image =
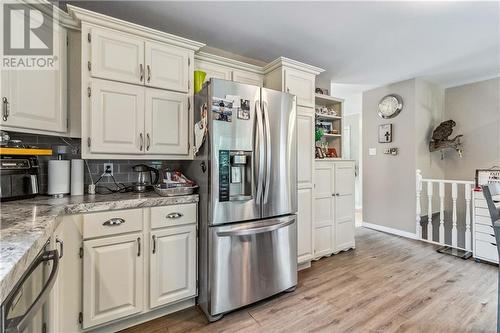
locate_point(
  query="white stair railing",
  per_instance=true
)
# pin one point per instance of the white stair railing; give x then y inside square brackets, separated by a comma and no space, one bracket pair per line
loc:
[455,184]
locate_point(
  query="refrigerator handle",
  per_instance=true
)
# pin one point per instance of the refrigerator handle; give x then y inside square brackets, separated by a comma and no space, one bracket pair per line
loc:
[268,151]
[260,147]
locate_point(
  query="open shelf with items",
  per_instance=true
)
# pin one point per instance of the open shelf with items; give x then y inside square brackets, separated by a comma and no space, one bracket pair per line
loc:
[328,112]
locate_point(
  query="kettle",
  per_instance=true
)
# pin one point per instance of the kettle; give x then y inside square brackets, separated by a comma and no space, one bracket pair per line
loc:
[144,177]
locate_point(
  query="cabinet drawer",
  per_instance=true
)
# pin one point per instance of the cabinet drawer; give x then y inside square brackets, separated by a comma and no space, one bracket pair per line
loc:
[111,223]
[486,251]
[482,211]
[483,220]
[167,216]
[485,229]
[490,238]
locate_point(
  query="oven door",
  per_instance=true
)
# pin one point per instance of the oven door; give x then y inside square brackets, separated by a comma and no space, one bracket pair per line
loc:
[251,261]
[22,311]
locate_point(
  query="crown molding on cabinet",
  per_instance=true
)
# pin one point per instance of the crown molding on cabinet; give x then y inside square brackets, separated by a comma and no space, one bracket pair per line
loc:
[282,61]
[59,15]
[138,30]
[220,60]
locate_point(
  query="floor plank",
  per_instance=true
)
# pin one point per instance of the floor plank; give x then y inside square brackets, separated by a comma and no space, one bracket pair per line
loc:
[388,284]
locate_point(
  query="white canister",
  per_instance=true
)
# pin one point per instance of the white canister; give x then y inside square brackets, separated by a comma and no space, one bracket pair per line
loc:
[59,177]
[77,177]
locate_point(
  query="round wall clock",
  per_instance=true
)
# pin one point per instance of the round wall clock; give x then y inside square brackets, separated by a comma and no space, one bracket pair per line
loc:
[390,106]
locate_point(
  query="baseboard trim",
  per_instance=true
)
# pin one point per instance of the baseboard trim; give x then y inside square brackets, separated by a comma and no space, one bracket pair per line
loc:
[388,230]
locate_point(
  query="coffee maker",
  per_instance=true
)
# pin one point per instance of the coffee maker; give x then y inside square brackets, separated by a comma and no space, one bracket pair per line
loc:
[145,177]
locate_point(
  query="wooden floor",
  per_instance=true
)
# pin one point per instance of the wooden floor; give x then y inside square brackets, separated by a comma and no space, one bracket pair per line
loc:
[388,284]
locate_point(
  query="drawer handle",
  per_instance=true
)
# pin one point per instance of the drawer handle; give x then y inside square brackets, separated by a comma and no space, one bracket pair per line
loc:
[493,244]
[492,235]
[174,215]
[138,246]
[154,244]
[114,221]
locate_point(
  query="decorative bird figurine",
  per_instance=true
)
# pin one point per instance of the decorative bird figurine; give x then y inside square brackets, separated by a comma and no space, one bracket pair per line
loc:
[443,131]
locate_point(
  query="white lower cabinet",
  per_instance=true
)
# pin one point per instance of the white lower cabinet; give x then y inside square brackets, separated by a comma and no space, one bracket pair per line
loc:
[333,207]
[304,226]
[113,278]
[172,265]
[132,262]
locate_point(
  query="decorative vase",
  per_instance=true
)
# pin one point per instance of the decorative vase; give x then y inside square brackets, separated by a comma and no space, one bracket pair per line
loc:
[199,78]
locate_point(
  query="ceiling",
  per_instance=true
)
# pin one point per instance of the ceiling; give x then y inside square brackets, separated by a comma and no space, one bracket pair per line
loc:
[361,43]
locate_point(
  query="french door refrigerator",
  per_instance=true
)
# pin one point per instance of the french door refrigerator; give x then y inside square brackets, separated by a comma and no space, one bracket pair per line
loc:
[247,171]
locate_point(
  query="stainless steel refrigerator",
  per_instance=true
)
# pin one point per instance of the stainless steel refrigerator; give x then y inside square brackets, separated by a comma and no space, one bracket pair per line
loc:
[247,172]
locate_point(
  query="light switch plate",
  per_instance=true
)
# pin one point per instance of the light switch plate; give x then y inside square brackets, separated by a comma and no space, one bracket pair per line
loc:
[372,151]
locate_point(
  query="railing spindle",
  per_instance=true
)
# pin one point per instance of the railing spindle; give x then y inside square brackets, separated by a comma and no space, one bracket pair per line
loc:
[429,210]
[468,193]
[441,212]
[454,233]
[418,227]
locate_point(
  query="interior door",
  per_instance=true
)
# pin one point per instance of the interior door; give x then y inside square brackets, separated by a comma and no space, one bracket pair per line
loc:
[280,140]
[172,265]
[236,133]
[344,205]
[112,278]
[167,67]
[166,122]
[116,118]
[116,56]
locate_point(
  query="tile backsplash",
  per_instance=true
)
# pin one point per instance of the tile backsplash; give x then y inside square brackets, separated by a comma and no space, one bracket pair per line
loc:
[122,169]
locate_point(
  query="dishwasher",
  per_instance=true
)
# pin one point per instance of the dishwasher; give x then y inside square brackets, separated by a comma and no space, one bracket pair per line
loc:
[23,309]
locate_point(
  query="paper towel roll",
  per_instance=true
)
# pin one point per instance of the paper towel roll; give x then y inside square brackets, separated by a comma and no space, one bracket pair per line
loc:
[77,177]
[59,175]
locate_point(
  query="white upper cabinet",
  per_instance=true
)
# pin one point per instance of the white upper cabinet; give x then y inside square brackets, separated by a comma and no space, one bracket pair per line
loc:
[305,146]
[113,278]
[248,78]
[167,67]
[116,118]
[300,84]
[166,122]
[172,265]
[116,56]
[213,70]
[34,101]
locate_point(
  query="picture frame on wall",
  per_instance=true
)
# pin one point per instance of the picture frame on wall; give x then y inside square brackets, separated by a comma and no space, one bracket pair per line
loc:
[385,133]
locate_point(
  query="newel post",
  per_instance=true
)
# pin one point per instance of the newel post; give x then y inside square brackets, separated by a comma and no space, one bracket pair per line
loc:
[418,227]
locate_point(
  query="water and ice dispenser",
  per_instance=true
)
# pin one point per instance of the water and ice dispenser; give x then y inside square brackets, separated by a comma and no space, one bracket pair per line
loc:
[235,175]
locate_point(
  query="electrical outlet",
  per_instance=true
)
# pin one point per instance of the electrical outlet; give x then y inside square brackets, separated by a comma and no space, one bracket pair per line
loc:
[108,169]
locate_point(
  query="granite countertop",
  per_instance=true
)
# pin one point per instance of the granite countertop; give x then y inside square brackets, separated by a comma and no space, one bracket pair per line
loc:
[26,225]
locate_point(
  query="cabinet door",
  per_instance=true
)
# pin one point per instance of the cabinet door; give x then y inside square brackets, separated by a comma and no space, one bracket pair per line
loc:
[116,118]
[37,98]
[112,278]
[305,146]
[344,206]
[304,225]
[166,122]
[116,56]
[324,210]
[172,265]
[213,70]
[167,67]
[301,85]
[248,78]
